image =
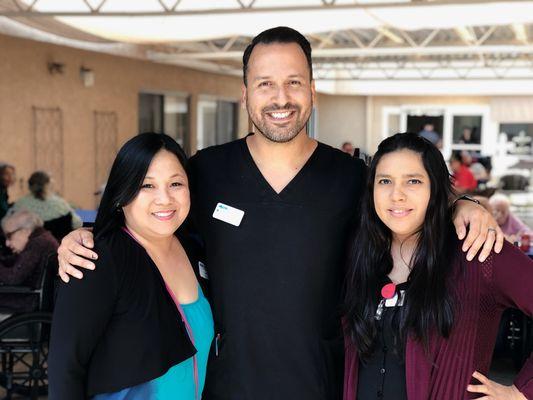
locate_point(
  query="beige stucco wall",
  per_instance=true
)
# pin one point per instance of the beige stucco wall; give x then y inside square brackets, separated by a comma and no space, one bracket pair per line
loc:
[341,119]
[25,82]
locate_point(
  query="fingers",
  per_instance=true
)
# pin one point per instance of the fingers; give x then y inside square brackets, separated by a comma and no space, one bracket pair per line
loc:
[73,260]
[74,251]
[70,270]
[460,227]
[480,377]
[474,231]
[80,251]
[79,242]
[483,388]
[478,389]
[65,269]
[500,238]
[87,238]
[478,221]
[63,275]
[487,246]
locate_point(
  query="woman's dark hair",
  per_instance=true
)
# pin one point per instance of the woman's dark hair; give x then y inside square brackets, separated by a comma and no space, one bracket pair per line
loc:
[429,304]
[37,184]
[127,175]
[280,34]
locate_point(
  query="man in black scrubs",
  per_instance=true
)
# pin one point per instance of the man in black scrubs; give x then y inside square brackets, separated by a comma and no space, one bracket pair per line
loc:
[276,276]
[274,210]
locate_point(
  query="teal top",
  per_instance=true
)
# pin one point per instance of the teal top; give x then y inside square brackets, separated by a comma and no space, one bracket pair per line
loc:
[179,382]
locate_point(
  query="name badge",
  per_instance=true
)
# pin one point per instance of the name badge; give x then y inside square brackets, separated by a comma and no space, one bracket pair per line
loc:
[228,214]
[203,270]
[396,301]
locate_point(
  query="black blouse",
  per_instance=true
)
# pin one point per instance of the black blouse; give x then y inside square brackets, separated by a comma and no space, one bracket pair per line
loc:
[118,326]
[382,376]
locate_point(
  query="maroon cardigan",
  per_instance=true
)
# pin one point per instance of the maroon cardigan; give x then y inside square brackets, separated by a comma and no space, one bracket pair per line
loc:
[483,292]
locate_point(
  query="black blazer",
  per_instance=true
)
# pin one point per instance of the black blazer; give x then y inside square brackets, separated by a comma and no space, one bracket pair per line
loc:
[118,326]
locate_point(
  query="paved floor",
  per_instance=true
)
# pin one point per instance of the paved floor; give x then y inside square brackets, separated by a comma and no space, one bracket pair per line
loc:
[502,371]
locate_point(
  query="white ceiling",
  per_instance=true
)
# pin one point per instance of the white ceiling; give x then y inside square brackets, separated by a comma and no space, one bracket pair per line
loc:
[357,45]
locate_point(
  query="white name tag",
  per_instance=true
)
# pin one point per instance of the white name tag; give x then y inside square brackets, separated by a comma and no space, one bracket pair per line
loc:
[396,300]
[203,270]
[228,214]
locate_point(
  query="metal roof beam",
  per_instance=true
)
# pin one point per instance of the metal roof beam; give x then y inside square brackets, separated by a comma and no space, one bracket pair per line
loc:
[239,8]
[384,51]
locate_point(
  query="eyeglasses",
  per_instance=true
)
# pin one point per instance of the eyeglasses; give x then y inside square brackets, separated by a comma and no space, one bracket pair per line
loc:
[9,235]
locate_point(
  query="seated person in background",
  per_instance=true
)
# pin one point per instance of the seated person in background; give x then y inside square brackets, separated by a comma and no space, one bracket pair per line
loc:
[31,245]
[348,148]
[47,205]
[428,132]
[479,171]
[510,224]
[7,178]
[468,136]
[463,178]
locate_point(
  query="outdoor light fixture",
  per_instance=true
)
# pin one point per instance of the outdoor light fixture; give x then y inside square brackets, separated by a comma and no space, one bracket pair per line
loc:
[87,76]
[55,67]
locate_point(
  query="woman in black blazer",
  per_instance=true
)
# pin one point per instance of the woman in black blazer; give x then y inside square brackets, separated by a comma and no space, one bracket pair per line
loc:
[139,326]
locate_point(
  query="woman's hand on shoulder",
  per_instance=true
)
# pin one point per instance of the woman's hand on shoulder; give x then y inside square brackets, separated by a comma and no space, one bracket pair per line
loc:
[493,390]
[73,252]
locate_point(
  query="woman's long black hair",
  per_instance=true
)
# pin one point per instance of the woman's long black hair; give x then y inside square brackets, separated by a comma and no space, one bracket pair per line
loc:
[127,175]
[429,303]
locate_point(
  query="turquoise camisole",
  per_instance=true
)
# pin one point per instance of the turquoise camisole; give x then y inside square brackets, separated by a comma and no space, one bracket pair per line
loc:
[184,381]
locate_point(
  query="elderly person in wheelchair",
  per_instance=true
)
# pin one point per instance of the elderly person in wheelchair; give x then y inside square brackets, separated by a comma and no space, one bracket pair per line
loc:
[25,297]
[31,244]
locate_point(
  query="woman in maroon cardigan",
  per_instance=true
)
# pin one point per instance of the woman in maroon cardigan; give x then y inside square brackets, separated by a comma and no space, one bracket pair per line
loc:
[421,320]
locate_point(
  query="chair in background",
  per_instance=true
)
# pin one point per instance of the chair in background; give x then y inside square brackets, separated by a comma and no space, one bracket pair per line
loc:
[24,337]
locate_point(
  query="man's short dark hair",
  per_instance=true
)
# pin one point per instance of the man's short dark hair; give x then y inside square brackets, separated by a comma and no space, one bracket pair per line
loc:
[280,34]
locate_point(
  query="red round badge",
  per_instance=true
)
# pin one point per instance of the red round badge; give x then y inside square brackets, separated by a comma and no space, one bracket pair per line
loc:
[388,290]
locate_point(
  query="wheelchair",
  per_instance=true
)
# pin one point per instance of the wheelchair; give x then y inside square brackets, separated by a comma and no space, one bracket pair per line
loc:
[24,337]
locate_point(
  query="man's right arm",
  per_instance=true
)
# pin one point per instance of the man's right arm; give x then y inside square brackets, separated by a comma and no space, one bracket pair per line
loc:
[75,253]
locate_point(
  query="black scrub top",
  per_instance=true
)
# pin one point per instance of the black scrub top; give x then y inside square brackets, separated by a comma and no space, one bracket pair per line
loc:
[275,280]
[382,376]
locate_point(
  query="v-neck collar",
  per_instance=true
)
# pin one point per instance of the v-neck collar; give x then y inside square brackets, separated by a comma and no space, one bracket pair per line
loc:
[262,181]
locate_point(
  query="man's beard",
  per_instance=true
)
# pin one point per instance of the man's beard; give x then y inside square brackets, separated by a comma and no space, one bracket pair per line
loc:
[277,134]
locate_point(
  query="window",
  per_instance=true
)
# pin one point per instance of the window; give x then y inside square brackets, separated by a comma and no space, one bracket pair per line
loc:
[176,118]
[519,138]
[162,113]
[217,122]
[151,113]
[467,129]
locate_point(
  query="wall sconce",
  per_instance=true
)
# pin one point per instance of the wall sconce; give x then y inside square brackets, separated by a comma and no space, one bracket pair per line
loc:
[87,76]
[55,67]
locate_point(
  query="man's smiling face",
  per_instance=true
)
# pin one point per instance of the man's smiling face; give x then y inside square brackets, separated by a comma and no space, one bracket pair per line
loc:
[279,95]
